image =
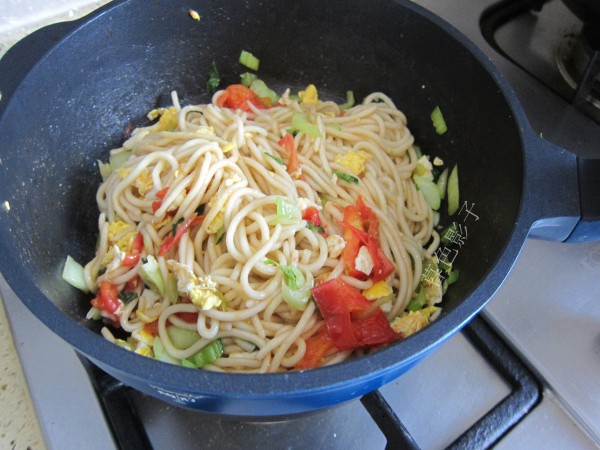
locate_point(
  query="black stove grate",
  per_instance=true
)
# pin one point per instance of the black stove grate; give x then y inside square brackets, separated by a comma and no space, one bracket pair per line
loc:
[129,433]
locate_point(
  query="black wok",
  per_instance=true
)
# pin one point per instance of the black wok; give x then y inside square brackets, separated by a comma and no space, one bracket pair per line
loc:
[70,90]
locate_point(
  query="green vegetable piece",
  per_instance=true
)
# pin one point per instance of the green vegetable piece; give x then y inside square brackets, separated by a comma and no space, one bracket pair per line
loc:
[300,123]
[287,212]
[442,182]
[151,276]
[430,191]
[213,78]
[247,78]
[188,363]
[274,157]
[249,60]
[208,354]
[260,88]
[349,101]
[219,235]
[418,151]
[171,291]
[448,236]
[161,353]
[295,289]
[453,192]
[117,159]
[74,274]
[127,297]
[182,338]
[453,277]
[418,300]
[438,121]
[346,177]
[105,170]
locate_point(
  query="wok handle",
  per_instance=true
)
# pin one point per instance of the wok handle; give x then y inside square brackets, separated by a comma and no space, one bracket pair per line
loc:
[562,195]
[588,227]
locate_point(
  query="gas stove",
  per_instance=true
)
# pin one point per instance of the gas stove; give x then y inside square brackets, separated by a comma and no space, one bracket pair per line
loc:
[523,374]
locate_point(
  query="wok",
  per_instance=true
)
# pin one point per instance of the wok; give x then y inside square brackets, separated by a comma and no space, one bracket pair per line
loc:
[69,91]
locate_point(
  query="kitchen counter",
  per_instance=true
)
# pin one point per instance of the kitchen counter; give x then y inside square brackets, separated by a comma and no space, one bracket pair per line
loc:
[19,424]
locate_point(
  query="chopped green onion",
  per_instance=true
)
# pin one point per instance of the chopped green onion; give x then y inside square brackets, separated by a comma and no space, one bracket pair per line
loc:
[438,121]
[208,354]
[247,78]
[349,101]
[429,190]
[418,300]
[300,123]
[249,60]
[127,297]
[453,192]
[442,182]
[346,177]
[260,88]
[74,274]
[287,212]
[200,209]
[213,78]
[276,158]
[161,353]
[150,273]
[291,274]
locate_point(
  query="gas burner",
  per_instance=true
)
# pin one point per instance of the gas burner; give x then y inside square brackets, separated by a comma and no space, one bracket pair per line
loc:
[552,43]
[578,61]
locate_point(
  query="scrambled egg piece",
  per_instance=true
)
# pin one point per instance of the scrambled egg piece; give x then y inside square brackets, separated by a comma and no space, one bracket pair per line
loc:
[118,247]
[354,160]
[378,290]
[143,342]
[335,245]
[310,96]
[168,118]
[363,261]
[413,321]
[215,222]
[201,290]
[143,182]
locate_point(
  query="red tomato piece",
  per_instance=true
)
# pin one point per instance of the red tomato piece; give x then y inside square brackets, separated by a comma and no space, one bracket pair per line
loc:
[316,348]
[311,215]
[237,96]
[107,298]
[192,221]
[132,258]
[340,305]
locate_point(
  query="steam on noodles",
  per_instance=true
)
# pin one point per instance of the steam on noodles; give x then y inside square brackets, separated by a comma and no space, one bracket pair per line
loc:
[227,235]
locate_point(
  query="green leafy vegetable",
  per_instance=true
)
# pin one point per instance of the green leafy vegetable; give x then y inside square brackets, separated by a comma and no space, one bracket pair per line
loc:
[276,158]
[249,60]
[161,353]
[346,177]
[295,288]
[127,297]
[213,78]
[438,121]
